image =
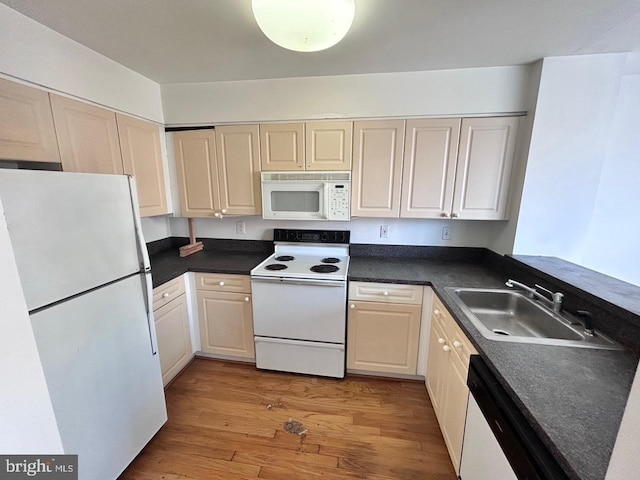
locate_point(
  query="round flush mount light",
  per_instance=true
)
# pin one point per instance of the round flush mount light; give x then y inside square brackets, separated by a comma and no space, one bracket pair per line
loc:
[304,25]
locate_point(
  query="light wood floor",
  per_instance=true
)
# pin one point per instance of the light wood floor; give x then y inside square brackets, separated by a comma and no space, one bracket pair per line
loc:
[221,427]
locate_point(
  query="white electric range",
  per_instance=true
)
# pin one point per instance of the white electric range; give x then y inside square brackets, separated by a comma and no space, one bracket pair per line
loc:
[299,303]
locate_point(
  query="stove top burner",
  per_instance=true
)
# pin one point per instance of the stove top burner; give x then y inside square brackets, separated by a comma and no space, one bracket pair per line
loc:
[324,268]
[330,260]
[284,258]
[275,266]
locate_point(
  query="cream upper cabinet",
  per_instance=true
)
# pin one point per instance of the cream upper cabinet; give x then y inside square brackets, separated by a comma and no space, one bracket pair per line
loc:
[377,168]
[485,161]
[87,136]
[142,158]
[195,152]
[328,145]
[238,161]
[430,152]
[26,124]
[282,147]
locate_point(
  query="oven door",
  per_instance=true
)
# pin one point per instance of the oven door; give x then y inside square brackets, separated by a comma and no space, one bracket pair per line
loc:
[299,309]
[293,200]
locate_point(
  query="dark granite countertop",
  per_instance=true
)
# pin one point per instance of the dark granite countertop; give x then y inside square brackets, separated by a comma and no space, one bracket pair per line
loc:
[574,398]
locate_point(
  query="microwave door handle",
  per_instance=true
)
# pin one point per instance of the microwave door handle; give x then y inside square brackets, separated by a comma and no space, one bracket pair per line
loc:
[325,213]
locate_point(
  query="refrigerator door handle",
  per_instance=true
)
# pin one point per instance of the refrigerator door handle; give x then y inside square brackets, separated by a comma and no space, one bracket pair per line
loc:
[148,300]
[142,246]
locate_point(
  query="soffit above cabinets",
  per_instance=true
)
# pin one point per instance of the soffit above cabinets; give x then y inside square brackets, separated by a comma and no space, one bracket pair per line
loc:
[215,40]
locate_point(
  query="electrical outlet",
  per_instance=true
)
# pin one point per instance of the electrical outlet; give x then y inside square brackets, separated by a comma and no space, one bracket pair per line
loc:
[446,233]
[384,231]
[240,227]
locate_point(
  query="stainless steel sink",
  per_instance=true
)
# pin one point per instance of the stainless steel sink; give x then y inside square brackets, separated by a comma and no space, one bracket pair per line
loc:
[510,316]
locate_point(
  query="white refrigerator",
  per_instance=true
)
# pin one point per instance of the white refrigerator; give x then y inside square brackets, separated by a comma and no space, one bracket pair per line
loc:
[86,279]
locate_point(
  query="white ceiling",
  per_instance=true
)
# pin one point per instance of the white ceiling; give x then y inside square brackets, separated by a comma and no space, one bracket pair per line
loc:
[175,41]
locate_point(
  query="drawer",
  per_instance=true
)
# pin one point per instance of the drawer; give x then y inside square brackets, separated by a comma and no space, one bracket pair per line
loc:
[385,292]
[223,282]
[455,336]
[167,292]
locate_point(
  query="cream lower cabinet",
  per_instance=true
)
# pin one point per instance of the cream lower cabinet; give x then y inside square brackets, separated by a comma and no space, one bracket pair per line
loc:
[172,328]
[383,335]
[226,316]
[446,379]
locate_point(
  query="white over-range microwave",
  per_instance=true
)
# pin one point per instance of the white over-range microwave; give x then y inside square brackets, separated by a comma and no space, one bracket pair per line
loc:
[306,195]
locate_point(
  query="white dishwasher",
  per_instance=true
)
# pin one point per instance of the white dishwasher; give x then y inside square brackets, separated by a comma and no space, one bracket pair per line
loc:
[499,443]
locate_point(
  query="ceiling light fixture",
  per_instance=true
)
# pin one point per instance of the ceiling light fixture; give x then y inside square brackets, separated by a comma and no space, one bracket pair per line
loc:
[304,25]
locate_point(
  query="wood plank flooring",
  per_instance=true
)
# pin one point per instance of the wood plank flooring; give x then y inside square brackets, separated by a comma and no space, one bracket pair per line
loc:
[226,421]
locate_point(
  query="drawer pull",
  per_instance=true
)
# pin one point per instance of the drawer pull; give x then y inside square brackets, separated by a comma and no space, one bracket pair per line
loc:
[441,341]
[352,306]
[165,295]
[221,283]
[437,312]
[457,344]
[386,294]
[446,348]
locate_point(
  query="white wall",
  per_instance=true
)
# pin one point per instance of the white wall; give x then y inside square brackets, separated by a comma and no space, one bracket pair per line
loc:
[27,421]
[443,92]
[34,53]
[363,230]
[615,221]
[155,228]
[578,101]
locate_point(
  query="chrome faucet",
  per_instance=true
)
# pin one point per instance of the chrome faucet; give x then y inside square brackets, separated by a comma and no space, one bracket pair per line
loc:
[556,298]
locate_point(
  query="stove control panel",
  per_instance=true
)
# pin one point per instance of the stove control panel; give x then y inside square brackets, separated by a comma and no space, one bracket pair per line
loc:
[311,236]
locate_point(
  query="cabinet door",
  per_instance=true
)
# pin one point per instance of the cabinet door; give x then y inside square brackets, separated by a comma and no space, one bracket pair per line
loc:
[377,168]
[454,406]
[328,145]
[174,337]
[196,164]
[87,136]
[26,124]
[383,337]
[437,366]
[483,174]
[430,150]
[142,158]
[282,147]
[238,158]
[226,323]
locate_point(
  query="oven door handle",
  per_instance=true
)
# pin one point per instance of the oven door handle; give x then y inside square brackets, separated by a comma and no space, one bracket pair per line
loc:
[299,281]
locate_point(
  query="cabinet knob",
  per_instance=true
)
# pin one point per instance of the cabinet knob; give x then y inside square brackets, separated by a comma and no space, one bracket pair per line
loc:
[444,215]
[352,306]
[454,215]
[165,295]
[457,344]
[437,312]
[217,215]
[386,294]
[221,283]
[446,348]
[441,341]
[246,299]
[224,210]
